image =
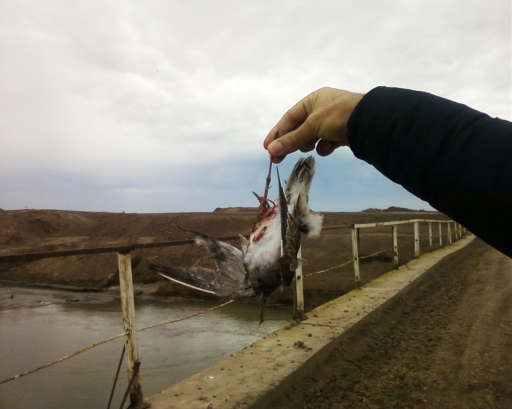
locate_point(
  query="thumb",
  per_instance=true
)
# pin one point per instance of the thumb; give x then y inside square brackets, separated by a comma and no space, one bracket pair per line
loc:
[302,137]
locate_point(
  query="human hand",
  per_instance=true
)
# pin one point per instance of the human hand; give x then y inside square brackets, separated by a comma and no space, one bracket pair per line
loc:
[320,120]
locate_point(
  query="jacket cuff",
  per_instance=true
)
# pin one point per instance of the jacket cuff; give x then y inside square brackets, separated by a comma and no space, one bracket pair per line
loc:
[357,138]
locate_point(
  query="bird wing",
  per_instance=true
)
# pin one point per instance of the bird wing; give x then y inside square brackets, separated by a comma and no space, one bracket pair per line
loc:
[283,208]
[230,279]
[198,278]
[297,194]
[228,258]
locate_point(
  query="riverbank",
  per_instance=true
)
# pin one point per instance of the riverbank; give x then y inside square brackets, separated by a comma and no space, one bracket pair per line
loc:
[46,230]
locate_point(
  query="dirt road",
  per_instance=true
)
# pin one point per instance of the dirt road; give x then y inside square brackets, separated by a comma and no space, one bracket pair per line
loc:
[445,344]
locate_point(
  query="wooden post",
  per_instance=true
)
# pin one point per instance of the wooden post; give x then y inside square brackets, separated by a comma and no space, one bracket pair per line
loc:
[395,245]
[355,256]
[128,309]
[430,234]
[298,314]
[440,234]
[416,239]
[449,233]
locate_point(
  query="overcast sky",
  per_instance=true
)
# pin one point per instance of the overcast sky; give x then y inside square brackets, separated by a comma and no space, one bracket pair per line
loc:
[155,106]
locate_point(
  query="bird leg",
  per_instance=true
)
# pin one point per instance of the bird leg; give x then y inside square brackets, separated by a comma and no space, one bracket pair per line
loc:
[263,200]
[263,301]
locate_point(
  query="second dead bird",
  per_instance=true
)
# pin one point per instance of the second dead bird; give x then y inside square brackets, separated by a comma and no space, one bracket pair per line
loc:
[268,259]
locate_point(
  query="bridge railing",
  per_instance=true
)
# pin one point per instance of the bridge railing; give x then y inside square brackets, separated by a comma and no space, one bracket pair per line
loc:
[124,262]
[458,232]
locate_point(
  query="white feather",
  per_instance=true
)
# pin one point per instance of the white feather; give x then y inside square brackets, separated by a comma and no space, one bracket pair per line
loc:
[314,222]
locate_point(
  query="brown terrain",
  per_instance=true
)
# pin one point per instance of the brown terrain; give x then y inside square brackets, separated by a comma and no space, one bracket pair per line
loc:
[47,230]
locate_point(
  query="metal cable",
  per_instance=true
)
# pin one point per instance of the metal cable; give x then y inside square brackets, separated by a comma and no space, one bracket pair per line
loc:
[116,377]
[195,314]
[112,338]
[136,366]
[159,324]
[342,264]
[64,358]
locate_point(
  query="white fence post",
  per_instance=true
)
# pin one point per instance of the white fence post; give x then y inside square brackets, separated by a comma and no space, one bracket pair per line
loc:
[416,239]
[430,234]
[440,233]
[449,233]
[395,245]
[128,308]
[355,255]
[299,288]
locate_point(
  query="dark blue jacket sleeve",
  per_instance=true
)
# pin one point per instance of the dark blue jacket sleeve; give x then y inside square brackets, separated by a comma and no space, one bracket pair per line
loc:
[454,157]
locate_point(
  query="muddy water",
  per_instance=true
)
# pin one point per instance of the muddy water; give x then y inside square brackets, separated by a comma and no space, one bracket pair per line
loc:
[37,326]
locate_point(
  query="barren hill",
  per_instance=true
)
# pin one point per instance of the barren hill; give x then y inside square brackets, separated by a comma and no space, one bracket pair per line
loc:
[39,230]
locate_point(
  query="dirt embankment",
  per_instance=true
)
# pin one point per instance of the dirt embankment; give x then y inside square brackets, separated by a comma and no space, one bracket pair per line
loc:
[445,344]
[40,230]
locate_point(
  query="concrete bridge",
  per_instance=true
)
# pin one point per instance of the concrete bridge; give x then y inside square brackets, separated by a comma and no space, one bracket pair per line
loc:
[273,366]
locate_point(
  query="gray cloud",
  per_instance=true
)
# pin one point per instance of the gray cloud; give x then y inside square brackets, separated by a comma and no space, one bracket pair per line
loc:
[157,102]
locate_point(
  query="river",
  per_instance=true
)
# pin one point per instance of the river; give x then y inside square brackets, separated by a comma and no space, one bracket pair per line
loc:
[38,325]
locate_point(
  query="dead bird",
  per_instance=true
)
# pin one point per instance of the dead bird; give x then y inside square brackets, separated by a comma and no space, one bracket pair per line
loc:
[268,259]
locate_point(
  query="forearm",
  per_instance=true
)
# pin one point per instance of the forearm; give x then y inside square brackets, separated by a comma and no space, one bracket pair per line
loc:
[456,158]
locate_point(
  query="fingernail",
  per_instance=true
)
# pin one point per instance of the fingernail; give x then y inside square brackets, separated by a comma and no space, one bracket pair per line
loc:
[276,148]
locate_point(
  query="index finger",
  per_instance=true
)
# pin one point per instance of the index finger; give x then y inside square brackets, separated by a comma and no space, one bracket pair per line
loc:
[291,120]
